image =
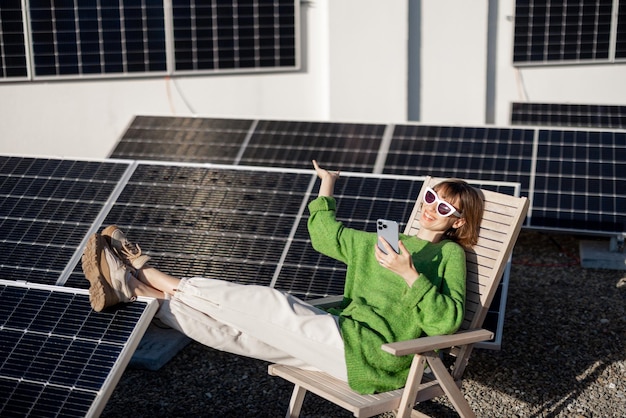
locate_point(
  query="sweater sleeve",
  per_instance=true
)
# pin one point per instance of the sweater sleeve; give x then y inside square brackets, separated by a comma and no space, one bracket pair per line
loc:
[439,297]
[325,231]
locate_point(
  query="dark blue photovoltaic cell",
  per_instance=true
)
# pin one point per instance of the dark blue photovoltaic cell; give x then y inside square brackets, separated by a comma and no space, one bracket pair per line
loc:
[70,38]
[569,115]
[199,140]
[341,146]
[620,44]
[487,154]
[580,181]
[56,352]
[234,35]
[562,31]
[349,147]
[76,38]
[46,208]
[221,223]
[12,47]
[474,153]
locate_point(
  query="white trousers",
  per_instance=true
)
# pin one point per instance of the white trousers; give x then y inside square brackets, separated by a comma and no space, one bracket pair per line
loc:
[258,322]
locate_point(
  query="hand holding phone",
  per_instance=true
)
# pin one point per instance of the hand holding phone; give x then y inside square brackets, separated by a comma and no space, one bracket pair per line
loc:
[389,231]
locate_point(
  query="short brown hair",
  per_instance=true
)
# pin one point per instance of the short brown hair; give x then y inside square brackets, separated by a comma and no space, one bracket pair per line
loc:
[471,205]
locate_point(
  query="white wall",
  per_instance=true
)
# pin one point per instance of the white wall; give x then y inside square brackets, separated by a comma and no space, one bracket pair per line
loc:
[453,61]
[368,60]
[86,118]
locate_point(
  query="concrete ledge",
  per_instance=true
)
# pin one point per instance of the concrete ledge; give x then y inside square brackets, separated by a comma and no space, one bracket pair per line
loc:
[598,255]
[158,346]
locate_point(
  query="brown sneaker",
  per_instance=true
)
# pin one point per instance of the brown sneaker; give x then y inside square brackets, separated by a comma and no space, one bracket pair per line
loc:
[107,275]
[128,251]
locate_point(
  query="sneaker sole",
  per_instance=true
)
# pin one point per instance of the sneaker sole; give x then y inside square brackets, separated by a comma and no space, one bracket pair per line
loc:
[101,294]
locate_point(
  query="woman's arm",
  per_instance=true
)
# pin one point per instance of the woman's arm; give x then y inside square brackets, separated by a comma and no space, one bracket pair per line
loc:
[324,230]
[328,178]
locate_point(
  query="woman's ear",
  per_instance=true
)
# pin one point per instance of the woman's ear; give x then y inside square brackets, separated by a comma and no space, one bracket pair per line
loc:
[458,223]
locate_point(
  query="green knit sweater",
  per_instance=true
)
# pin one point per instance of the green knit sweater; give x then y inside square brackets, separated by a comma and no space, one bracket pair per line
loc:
[378,306]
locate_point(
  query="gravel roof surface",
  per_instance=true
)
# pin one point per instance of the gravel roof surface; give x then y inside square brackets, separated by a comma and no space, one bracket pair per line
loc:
[563,354]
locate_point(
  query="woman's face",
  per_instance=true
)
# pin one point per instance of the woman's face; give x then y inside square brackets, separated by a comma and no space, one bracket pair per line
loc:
[432,220]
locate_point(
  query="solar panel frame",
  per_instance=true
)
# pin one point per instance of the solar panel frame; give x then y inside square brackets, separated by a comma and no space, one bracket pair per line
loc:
[60,358]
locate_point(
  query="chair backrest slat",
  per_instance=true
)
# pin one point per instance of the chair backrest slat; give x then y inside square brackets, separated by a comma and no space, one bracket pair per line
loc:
[501,224]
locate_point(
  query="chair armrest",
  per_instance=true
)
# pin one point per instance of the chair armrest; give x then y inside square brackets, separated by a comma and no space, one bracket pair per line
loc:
[327,302]
[437,342]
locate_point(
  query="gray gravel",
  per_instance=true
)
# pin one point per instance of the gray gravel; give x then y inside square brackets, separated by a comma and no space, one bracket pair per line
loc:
[563,355]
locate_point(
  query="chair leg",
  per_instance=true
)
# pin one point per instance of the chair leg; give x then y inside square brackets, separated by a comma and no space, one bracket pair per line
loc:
[410,390]
[295,403]
[449,387]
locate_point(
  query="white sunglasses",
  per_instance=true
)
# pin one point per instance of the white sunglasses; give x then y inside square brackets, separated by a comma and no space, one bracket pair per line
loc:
[443,208]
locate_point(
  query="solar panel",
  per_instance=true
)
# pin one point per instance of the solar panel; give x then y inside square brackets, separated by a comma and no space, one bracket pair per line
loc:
[346,146]
[569,115]
[562,31]
[58,357]
[245,34]
[12,46]
[128,37]
[47,207]
[488,154]
[183,139]
[478,153]
[213,222]
[580,181]
[78,38]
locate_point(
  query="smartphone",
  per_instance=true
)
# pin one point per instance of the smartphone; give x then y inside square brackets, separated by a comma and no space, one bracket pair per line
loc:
[389,231]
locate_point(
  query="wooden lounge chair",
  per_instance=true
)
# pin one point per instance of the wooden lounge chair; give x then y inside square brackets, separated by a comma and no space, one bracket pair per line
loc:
[502,221]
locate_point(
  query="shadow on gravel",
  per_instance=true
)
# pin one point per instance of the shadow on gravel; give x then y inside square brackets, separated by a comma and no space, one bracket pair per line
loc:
[564,329]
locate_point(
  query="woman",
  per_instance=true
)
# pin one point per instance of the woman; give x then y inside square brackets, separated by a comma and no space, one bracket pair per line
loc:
[387,298]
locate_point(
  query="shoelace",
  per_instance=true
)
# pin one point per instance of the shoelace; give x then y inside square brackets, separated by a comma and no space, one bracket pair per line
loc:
[130,250]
